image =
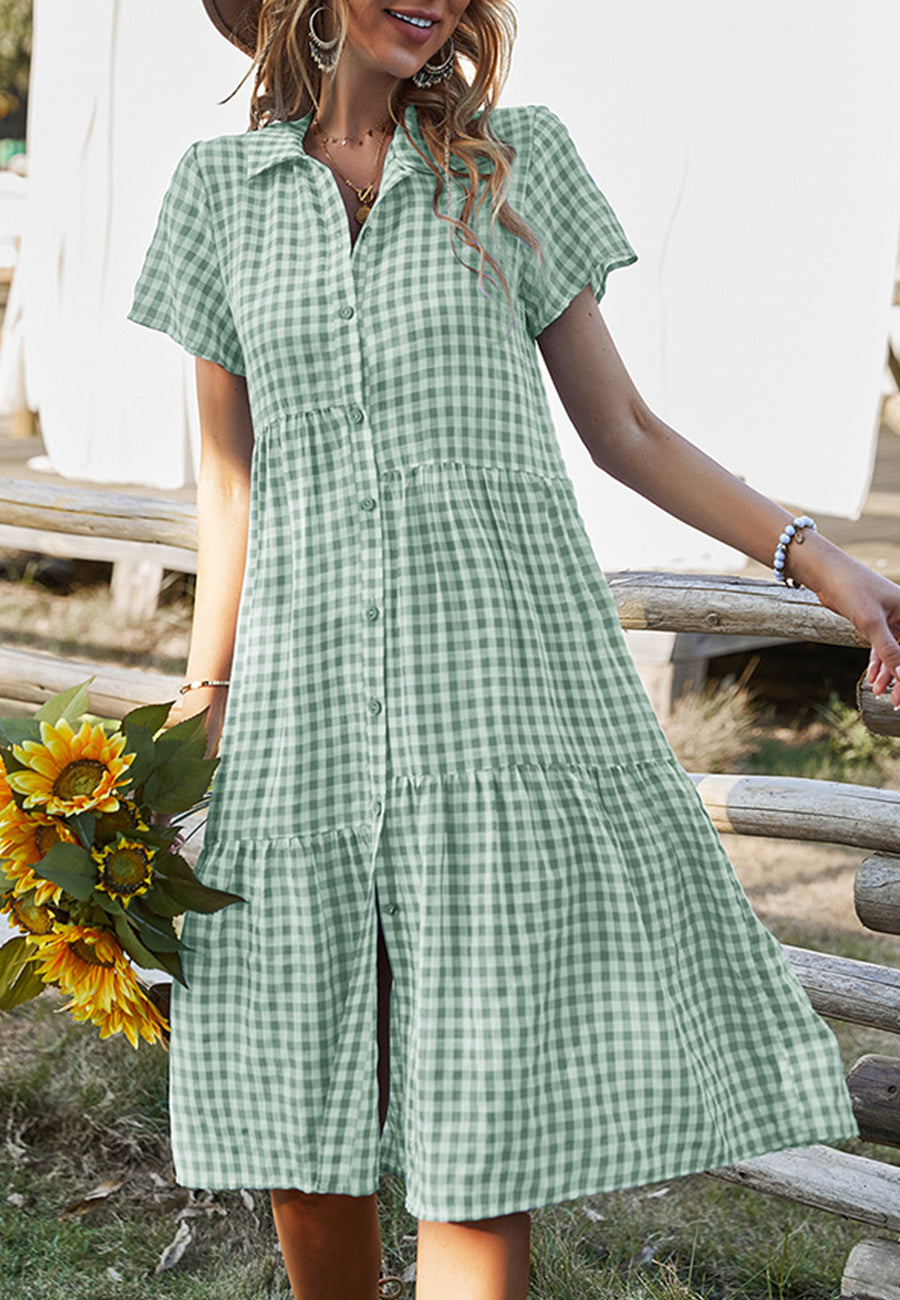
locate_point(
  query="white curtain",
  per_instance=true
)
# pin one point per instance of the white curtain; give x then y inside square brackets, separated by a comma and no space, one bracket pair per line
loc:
[117,91]
[752,153]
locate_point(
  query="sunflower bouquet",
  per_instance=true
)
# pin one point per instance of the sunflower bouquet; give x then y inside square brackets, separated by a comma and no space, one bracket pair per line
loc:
[90,828]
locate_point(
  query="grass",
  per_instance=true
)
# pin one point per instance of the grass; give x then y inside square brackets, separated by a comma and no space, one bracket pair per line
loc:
[77,1112]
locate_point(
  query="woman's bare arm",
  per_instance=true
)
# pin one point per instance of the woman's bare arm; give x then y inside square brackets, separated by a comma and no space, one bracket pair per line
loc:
[223,502]
[630,442]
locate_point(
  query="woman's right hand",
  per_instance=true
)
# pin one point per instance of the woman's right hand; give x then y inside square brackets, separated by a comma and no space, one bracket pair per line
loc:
[193,702]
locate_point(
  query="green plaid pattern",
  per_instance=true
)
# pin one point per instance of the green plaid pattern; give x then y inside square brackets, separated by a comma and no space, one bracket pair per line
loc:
[434,714]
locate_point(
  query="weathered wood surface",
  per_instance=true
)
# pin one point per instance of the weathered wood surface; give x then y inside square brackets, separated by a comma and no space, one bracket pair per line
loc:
[32,676]
[872,1271]
[110,549]
[70,509]
[827,1179]
[802,808]
[876,711]
[703,602]
[876,893]
[874,1085]
[863,992]
[134,587]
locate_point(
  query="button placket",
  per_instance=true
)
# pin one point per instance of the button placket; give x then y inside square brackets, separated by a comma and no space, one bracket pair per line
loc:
[367,510]
[372,704]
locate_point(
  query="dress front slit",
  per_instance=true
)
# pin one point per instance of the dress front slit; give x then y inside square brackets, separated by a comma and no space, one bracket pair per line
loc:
[385,979]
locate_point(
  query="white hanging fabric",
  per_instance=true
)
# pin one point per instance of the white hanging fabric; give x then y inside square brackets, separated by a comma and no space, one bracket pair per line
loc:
[117,92]
[751,153]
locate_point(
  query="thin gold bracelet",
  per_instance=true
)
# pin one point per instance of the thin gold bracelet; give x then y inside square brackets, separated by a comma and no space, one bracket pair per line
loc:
[194,686]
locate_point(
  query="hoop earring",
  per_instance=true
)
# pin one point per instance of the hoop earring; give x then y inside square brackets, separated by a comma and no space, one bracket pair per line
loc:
[321,51]
[432,73]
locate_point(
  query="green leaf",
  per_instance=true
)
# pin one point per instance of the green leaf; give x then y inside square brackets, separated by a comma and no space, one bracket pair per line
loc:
[158,837]
[160,899]
[171,962]
[181,882]
[83,824]
[155,931]
[27,984]
[136,950]
[71,867]
[139,741]
[185,740]
[15,730]
[149,717]
[10,762]
[68,704]
[178,783]
[19,979]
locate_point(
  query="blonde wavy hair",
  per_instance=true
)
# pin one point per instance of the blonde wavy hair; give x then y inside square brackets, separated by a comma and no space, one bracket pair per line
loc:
[286,86]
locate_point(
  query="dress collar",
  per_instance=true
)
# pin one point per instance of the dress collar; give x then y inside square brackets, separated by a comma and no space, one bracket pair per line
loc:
[282,141]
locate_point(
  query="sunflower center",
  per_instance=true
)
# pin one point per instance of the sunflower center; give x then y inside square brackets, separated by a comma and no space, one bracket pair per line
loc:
[125,870]
[79,778]
[45,837]
[87,952]
[30,916]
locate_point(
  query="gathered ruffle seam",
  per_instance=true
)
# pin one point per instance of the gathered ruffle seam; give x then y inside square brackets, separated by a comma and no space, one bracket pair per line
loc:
[363,829]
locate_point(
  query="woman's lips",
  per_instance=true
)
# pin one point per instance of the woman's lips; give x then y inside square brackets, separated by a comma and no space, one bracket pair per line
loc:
[418,34]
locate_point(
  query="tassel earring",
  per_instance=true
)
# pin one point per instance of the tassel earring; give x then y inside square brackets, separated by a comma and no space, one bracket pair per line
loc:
[322,52]
[432,73]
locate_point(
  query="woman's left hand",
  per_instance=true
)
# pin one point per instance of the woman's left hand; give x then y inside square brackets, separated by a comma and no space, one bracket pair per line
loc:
[871,603]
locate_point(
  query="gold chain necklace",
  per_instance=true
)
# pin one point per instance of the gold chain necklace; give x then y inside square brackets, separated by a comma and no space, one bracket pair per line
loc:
[366,194]
[345,139]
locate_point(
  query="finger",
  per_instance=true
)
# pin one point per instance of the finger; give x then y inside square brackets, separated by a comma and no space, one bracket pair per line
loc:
[885,645]
[874,666]
[883,681]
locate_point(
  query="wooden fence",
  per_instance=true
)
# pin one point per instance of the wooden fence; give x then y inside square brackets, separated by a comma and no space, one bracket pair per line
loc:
[855,1186]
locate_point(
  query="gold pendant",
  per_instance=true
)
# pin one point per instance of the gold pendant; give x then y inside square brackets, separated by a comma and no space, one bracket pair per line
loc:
[362,212]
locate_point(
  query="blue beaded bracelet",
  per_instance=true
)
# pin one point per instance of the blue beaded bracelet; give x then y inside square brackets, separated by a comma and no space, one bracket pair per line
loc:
[790,531]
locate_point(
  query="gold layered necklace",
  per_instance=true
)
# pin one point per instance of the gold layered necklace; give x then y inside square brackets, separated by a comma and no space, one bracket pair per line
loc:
[367,194]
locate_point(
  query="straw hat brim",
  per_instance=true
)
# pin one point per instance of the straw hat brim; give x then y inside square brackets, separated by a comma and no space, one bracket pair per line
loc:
[237,20]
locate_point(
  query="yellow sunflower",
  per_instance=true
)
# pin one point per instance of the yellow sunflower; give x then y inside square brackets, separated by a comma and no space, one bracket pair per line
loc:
[5,792]
[125,868]
[89,964]
[71,772]
[27,913]
[24,839]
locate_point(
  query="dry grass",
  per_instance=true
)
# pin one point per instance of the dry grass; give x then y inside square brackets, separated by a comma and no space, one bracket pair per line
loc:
[81,621]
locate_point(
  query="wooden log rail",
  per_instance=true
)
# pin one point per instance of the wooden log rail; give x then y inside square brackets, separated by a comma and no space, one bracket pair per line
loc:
[119,515]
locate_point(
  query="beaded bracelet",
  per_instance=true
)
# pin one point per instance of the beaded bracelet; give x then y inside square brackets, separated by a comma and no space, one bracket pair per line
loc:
[194,686]
[791,531]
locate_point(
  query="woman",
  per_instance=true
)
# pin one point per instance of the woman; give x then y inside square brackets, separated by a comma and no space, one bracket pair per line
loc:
[438,765]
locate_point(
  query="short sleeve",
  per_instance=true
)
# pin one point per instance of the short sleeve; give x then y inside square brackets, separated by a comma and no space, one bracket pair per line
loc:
[180,289]
[581,235]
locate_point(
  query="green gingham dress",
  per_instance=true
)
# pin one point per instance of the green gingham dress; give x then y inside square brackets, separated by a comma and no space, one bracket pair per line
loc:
[434,713]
